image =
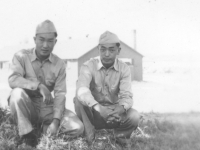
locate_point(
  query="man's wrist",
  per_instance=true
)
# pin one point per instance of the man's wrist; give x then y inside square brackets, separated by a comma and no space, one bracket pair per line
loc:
[124,110]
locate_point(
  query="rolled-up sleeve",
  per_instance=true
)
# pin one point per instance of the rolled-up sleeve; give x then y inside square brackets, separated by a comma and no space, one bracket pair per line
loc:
[83,92]
[16,78]
[125,91]
[60,93]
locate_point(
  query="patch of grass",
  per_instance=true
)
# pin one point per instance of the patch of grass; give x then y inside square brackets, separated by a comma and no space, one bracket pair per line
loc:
[168,135]
[155,132]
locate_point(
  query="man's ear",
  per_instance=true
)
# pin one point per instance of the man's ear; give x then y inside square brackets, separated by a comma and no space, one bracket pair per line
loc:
[119,49]
[34,38]
[98,49]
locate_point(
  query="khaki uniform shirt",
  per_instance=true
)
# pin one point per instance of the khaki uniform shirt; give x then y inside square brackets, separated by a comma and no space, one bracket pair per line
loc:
[96,84]
[27,72]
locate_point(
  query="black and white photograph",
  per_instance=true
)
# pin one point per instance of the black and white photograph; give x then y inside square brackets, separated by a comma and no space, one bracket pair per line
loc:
[99,75]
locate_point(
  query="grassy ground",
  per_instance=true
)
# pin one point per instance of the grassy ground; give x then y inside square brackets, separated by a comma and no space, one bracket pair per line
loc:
[167,87]
[156,132]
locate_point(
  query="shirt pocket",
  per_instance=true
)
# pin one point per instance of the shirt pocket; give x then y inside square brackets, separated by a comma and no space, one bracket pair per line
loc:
[114,88]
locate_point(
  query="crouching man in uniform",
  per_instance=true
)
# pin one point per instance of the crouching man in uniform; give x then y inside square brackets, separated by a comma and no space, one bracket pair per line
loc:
[35,73]
[104,96]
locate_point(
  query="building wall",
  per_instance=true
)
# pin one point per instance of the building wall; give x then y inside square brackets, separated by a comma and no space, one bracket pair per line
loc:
[136,61]
[138,69]
[72,72]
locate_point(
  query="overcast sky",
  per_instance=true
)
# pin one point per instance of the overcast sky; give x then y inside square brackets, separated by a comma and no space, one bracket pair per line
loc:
[163,26]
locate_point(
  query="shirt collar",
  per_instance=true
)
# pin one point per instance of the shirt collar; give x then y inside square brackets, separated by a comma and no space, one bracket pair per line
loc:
[34,56]
[100,65]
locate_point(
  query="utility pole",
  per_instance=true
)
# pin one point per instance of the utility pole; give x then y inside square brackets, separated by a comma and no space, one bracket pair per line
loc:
[134,43]
[134,36]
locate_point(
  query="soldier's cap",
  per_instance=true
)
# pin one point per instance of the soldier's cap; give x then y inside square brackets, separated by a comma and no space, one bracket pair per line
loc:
[108,38]
[46,27]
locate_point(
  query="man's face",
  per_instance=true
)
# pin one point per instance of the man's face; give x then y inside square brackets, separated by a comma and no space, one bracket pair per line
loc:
[45,43]
[108,53]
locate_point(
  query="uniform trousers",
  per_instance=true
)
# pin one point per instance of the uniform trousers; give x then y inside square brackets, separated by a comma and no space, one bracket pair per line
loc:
[93,120]
[30,113]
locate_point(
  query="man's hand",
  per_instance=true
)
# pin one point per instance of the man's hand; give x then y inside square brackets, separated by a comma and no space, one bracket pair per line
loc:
[46,94]
[103,111]
[115,115]
[53,127]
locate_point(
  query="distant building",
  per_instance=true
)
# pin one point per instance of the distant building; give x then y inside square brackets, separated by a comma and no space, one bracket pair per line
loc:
[78,51]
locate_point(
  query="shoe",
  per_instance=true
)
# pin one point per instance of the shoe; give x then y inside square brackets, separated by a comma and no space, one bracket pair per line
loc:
[90,137]
[124,143]
[29,139]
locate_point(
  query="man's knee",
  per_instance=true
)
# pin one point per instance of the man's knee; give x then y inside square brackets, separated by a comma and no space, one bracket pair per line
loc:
[74,127]
[79,128]
[71,123]
[77,102]
[134,117]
